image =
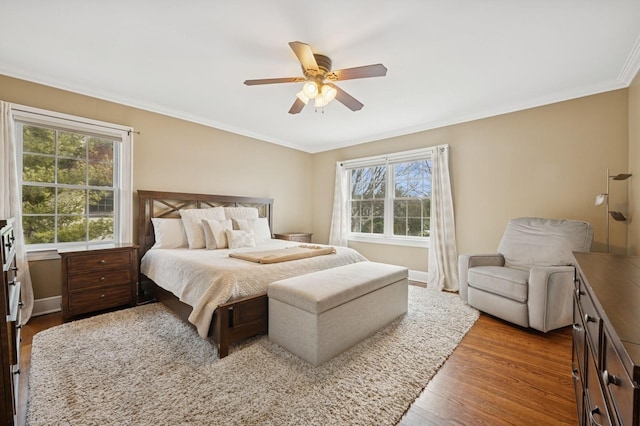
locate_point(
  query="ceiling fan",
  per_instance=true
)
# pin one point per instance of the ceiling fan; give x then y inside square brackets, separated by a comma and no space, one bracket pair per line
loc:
[318,79]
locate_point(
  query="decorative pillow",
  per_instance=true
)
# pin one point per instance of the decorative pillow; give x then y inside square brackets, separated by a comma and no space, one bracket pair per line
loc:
[192,221]
[169,233]
[240,238]
[214,233]
[259,226]
[241,213]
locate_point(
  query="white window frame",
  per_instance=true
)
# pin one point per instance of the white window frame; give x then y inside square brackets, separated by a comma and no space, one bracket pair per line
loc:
[386,160]
[123,196]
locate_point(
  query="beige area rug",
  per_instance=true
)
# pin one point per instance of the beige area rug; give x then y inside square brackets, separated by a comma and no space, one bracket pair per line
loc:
[142,366]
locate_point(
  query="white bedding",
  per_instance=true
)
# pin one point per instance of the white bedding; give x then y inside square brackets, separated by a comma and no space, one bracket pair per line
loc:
[205,279]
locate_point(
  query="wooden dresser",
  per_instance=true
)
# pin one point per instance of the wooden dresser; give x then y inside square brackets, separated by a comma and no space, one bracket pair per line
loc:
[10,331]
[98,278]
[606,339]
[301,237]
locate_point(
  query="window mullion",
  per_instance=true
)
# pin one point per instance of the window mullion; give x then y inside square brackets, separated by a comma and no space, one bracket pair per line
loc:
[55,182]
[388,202]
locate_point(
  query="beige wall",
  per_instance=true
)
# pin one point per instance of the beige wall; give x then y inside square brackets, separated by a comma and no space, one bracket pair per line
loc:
[549,161]
[176,155]
[633,247]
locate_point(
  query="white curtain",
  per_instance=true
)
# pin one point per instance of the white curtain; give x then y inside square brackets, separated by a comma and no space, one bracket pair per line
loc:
[443,254]
[339,225]
[12,205]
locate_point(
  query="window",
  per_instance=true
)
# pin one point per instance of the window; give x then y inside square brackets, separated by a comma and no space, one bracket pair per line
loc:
[75,179]
[390,197]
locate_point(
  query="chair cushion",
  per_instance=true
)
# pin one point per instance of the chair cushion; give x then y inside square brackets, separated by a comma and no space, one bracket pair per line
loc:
[531,241]
[506,282]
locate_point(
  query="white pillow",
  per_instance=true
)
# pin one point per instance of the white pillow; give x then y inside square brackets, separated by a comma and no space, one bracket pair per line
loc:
[169,233]
[259,226]
[241,213]
[214,233]
[192,221]
[240,238]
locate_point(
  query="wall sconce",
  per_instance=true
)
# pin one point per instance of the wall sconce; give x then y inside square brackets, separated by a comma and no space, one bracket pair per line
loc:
[604,199]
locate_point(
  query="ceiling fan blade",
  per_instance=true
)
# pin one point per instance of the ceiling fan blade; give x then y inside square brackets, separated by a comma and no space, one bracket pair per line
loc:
[296,107]
[346,99]
[377,70]
[274,80]
[305,55]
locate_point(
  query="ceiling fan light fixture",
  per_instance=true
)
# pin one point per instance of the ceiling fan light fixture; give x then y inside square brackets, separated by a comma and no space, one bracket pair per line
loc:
[310,89]
[320,102]
[303,97]
[328,93]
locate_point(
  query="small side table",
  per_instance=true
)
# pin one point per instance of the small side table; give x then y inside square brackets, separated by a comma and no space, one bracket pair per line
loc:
[97,278]
[301,237]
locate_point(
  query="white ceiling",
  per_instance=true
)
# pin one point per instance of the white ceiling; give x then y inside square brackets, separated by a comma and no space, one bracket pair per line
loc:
[448,61]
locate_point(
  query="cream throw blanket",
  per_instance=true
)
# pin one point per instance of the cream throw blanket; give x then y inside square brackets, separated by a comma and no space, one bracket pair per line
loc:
[285,254]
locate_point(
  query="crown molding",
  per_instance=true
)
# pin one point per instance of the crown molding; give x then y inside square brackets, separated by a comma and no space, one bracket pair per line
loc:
[631,66]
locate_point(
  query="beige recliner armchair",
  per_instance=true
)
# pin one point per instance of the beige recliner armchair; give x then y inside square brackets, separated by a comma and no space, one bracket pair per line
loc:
[529,281]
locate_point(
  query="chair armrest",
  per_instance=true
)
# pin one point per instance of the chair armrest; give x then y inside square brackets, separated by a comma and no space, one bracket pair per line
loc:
[466,261]
[550,300]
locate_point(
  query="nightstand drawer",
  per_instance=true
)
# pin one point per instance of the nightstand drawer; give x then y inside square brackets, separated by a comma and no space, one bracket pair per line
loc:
[99,261]
[100,298]
[99,279]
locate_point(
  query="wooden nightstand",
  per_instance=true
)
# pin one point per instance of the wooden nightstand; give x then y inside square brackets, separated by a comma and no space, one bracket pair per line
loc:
[301,237]
[94,279]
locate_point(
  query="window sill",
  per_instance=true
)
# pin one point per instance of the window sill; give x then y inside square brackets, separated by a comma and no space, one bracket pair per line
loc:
[392,241]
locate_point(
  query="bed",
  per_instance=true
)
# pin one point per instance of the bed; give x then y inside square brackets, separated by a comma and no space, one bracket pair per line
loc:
[223,297]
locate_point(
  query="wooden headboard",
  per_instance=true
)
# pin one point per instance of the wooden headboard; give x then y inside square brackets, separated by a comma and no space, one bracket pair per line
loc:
[168,204]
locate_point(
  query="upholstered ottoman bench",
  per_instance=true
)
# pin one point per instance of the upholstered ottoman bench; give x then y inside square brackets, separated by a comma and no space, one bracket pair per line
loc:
[319,315]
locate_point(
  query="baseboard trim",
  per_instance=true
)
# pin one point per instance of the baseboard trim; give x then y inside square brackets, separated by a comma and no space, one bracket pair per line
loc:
[419,276]
[47,305]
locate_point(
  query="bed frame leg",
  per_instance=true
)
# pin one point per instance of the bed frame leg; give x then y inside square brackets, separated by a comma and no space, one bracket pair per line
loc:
[221,336]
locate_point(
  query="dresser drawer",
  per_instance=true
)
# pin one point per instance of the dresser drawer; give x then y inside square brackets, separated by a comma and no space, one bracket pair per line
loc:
[591,319]
[597,412]
[99,261]
[99,298]
[99,279]
[618,383]
[578,379]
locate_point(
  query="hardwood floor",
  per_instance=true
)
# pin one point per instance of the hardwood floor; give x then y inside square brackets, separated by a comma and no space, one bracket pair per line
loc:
[500,374]
[35,325]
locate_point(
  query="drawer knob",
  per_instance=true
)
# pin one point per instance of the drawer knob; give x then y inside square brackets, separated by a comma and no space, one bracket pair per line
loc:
[102,296]
[574,374]
[610,379]
[102,278]
[588,318]
[102,261]
[576,327]
[592,413]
